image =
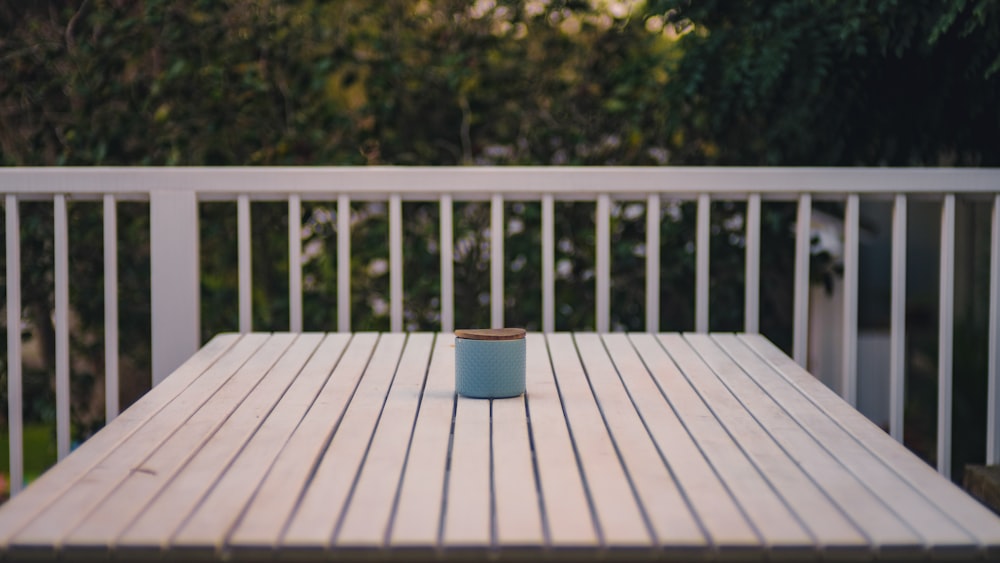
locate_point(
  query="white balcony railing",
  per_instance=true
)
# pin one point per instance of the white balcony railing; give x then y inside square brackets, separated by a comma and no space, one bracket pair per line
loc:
[174,193]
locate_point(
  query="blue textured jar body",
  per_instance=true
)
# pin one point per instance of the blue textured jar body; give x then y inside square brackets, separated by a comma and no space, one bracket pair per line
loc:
[489,369]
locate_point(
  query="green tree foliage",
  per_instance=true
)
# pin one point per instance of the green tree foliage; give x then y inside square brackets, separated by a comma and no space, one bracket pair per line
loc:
[837,82]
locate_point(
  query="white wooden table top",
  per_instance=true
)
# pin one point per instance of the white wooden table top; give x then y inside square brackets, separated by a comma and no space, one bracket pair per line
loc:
[343,445]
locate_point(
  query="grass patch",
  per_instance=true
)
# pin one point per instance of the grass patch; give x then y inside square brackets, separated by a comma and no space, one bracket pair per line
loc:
[39,451]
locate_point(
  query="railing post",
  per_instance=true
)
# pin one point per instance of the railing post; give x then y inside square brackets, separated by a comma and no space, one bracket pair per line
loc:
[173,232]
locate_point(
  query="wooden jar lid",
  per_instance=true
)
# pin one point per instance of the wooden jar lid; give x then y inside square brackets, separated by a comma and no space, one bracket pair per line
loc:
[491,333]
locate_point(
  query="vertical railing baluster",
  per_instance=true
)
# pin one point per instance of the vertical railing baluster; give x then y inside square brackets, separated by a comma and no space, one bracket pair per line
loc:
[945,335]
[110,308]
[496,261]
[15,422]
[993,379]
[897,338]
[751,300]
[343,263]
[61,274]
[803,242]
[653,263]
[395,263]
[701,277]
[603,279]
[295,263]
[849,337]
[548,264]
[447,265]
[243,243]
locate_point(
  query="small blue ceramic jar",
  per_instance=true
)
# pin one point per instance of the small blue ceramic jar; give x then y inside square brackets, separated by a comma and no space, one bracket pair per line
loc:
[489,363]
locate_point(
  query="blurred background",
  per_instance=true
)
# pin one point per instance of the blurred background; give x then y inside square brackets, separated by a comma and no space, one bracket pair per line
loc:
[505,82]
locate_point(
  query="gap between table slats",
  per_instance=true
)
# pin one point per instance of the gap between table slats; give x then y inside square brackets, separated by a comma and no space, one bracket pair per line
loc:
[368,515]
[690,395]
[142,478]
[208,523]
[313,522]
[262,521]
[621,521]
[932,505]
[568,516]
[834,506]
[181,495]
[62,495]
[417,516]
[641,362]
[664,508]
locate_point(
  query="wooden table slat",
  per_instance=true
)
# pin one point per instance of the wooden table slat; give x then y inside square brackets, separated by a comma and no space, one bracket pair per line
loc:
[720,515]
[149,476]
[518,515]
[942,493]
[274,501]
[568,517]
[763,430]
[620,518]
[217,514]
[50,526]
[315,518]
[178,499]
[671,518]
[922,516]
[63,476]
[766,511]
[366,522]
[417,520]
[468,510]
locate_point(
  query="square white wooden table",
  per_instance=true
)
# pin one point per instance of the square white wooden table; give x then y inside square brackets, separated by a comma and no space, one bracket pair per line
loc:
[354,446]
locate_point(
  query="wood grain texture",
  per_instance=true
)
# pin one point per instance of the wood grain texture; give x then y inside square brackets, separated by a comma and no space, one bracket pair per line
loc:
[925,486]
[217,515]
[313,524]
[490,333]
[62,477]
[620,518]
[778,527]
[265,518]
[366,522]
[568,516]
[146,478]
[706,447]
[669,515]
[417,519]
[51,525]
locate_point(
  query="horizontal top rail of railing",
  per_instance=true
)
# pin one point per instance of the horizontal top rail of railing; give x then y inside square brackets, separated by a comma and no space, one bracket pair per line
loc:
[174,195]
[478,183]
